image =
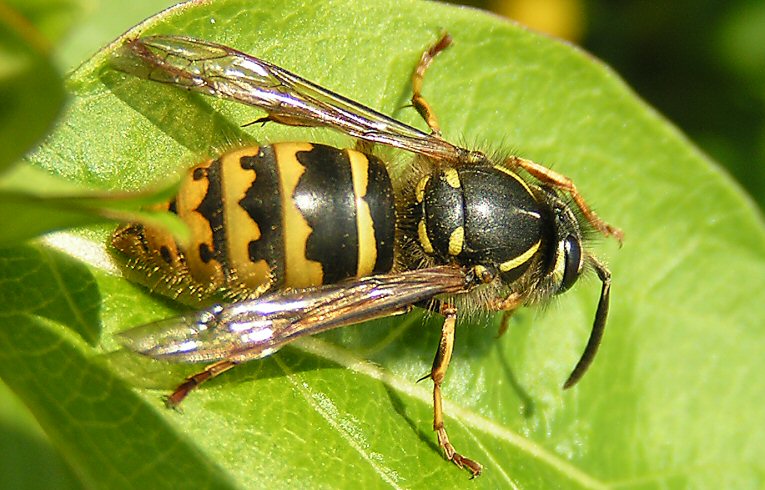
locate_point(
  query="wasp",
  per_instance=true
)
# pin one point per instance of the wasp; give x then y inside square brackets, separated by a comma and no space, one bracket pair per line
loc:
[301,238]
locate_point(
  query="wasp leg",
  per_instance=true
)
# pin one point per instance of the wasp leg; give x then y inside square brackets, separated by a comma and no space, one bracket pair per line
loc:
[418,101]
[363,146]
[554,179]
[437,373]
[211,371]
[507,306]
[504,324]
[261,120]
[510,303]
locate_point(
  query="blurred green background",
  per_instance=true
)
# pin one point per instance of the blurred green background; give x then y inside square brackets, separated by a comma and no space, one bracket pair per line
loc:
[701,63]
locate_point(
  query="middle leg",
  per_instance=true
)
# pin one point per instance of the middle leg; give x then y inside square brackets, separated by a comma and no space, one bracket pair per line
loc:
[437,374]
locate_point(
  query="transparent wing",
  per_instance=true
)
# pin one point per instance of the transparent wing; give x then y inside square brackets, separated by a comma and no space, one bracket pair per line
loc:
[256,328]
[218,70]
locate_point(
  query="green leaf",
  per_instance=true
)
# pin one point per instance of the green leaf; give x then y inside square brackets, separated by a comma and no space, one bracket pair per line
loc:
[28,459]
[673,399]
[52,18]
[34,202]
[46,351]
[31,92]
[101,22]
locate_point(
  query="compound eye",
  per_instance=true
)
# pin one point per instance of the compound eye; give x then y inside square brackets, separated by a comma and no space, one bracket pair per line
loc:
[572,262]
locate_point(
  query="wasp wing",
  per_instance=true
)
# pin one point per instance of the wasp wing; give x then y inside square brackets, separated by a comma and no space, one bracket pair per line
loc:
[256,328]
[224,72]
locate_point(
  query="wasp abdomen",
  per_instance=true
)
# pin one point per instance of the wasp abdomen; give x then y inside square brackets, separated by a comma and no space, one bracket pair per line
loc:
[284,215]
[343,206]
[479,215]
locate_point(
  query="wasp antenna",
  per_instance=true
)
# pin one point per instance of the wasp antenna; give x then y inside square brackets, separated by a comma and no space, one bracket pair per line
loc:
[598,326]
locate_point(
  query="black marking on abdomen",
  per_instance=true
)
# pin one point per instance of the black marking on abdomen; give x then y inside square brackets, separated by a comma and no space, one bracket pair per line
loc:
[211,208]
[383,210]
[324,195]
[262,201]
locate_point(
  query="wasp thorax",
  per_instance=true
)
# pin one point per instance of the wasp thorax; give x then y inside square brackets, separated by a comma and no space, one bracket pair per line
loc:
[479,216]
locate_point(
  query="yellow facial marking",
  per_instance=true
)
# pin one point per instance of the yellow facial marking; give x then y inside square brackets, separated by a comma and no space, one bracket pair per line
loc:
[560,264]
[520,260]
[456,240]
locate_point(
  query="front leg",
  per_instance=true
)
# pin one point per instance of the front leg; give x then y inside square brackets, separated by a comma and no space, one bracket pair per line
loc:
[507,306]
[563,183]
[437,374]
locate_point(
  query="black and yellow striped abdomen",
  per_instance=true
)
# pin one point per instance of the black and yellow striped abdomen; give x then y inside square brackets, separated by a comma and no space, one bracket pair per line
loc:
[284,215]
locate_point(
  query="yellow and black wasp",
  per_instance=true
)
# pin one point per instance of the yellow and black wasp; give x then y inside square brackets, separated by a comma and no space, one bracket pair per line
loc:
[304,237]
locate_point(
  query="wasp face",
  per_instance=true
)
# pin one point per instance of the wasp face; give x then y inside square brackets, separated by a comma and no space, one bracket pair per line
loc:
[562,259]
[568,256]
[568,265]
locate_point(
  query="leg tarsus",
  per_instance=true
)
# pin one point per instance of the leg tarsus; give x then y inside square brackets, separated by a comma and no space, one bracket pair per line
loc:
[418,101]
[505,322]
[462,462]
[507,306]
[190,383]
[437,374]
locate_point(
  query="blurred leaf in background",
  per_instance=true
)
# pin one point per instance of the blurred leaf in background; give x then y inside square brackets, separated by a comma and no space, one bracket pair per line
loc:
[39,41]
[31,97]
[701,63]
[26,73]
